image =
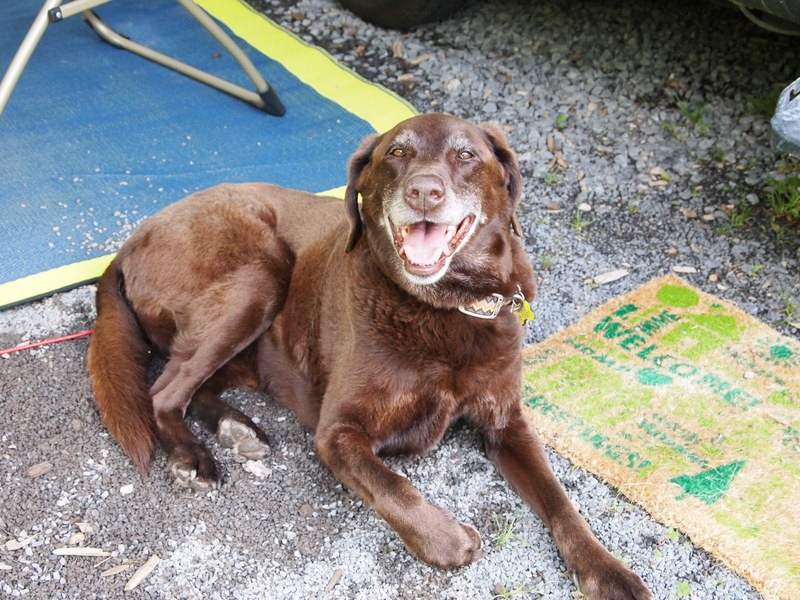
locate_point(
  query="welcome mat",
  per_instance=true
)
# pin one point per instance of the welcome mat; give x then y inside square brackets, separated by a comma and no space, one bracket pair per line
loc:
[691,408]
[96,139]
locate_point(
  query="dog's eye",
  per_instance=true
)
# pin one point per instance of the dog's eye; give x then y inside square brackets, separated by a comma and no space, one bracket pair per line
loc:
[466,155]
[397,152]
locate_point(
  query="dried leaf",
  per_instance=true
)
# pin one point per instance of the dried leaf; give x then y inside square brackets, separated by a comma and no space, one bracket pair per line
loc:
[397,49]
[337,575]
[610,276]
[81,552]
[76,538]
[553,207]
[116,570]
[12,545]
[684,269]
[84,527]
[419,59]
[677,84]
[42,468]
[142,572]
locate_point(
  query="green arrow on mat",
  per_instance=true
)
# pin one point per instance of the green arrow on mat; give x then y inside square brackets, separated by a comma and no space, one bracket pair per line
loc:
[710,485]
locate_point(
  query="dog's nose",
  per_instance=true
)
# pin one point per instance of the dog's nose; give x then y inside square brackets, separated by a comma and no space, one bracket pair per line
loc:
[425,192]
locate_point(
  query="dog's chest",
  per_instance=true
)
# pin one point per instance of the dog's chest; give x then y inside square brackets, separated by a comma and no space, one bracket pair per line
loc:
[430,374]
[459,352]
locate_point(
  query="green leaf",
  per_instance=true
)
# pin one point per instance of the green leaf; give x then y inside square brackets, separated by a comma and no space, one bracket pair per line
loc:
[683,589]
[672,535]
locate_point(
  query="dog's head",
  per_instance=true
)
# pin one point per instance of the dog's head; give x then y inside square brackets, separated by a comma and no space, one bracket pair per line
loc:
[439,196]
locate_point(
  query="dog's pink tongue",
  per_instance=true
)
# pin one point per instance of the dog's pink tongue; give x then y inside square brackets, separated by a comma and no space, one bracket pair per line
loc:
[425,243]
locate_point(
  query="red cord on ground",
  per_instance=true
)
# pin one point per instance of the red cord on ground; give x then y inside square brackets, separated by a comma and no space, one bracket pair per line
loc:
[31,345]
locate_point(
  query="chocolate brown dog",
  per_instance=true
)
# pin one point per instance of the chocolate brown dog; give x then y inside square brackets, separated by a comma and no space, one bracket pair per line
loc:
[368,320]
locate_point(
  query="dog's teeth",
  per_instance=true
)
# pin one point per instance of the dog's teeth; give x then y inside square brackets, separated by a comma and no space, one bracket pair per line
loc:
[433,262]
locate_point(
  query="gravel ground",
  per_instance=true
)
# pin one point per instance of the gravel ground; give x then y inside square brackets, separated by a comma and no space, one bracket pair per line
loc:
[660,162]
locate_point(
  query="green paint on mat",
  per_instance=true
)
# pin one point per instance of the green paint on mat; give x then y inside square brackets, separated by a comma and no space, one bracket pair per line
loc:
[781,352]
[652,377]
[678,296]
[710,485]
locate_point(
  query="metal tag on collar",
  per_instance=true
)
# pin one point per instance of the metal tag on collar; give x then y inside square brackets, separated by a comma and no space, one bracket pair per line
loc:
[488,308]
[521,307]
[517,300]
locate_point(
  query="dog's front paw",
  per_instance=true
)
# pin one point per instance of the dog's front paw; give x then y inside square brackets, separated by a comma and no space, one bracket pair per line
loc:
[193,467]
[441,541]
[245,439]
[609,579]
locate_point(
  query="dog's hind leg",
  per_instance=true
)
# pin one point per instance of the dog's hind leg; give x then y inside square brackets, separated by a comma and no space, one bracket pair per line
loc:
[233,428]
[190,462]
[223,322]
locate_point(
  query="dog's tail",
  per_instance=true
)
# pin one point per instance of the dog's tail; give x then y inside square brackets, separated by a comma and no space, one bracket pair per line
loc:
[118,361]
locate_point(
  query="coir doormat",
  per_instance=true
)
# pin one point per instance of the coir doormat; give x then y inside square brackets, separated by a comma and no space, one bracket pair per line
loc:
[692,409]
[96,139]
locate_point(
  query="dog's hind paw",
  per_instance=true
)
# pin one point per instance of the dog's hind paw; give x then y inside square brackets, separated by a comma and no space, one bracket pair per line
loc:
[198,473]
[189,479]
[244,439]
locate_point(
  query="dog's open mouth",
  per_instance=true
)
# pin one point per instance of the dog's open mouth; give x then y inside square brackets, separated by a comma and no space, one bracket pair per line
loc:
[425,246]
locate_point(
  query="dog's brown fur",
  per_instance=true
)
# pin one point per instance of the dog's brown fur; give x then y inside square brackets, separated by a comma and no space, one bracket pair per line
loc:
[338,314]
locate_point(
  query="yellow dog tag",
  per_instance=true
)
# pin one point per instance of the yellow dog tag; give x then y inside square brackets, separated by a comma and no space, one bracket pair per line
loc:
[524,312]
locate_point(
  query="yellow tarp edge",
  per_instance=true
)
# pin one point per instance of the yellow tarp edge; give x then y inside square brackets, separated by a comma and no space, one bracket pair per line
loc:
[47,282]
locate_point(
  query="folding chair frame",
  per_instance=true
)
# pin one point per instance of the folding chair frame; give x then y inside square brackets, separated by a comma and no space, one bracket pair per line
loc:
[54,11]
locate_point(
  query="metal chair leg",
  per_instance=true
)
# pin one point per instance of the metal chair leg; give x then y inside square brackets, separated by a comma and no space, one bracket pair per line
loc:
[263,98]
[24,52]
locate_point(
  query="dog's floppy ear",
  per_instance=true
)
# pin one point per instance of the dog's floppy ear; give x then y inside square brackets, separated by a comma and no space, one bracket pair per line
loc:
[358,162]
[508,159]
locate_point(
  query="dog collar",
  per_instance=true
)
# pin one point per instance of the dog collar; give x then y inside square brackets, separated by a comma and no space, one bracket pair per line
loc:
[490,307]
